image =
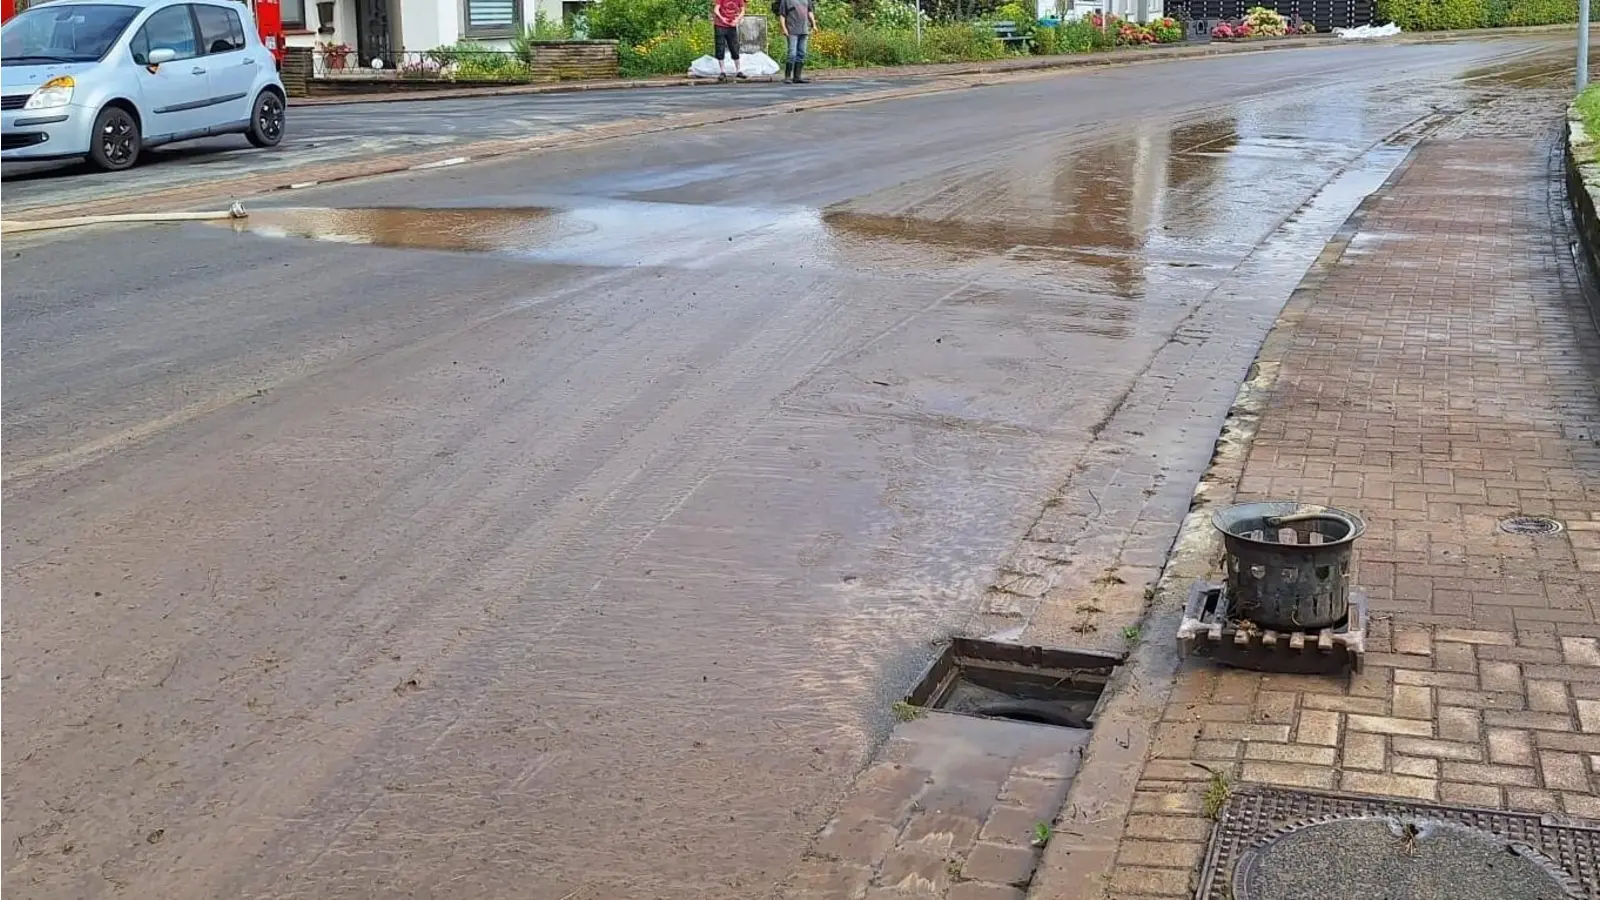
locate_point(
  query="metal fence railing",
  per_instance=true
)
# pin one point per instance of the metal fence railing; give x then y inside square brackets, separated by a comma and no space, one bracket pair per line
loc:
[442,64]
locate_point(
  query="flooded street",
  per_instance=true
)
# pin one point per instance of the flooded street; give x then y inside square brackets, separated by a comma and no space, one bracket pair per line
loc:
[565,527]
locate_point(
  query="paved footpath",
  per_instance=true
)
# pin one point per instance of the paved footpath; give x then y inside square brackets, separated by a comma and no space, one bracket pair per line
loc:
[1440,375]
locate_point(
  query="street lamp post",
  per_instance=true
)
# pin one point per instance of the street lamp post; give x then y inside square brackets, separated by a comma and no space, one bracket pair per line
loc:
[1583,44]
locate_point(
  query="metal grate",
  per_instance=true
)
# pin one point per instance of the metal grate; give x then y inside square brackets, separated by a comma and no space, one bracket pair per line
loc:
[14,101]
[1531,525]
[1254,814]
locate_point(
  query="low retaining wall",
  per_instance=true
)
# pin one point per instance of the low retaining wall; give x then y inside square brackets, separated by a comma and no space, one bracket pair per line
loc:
[1583,187]
[553,61]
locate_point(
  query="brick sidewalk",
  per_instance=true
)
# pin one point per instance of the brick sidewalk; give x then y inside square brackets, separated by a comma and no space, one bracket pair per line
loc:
[1442,376]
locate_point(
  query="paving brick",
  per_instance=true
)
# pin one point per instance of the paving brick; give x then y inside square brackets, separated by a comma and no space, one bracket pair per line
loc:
[1467,752]
[1161,854]
[1306,754]
[1531,720]
[1532,800]
[1363,750]
[1581,651]
[1043,797]
[1389,785]
[1486,796]
[1460,724]
[1317,727]
[1275,708]
[1150,881]
[1489,774]
[1290,774]
[1415,766]
[1548,696]
[1457,680]
[1175,828]
[1450,657]
[1413,640]
[1500,676]
[1000,863]
[977,890]
[916,870]
[1007,825]
[1235,731]
[1472,636]
[1372,706]
[1589,715]
[858,841]
[1391,725]
[1585,805]
[1564,771]
[1411,702]
[1510,747]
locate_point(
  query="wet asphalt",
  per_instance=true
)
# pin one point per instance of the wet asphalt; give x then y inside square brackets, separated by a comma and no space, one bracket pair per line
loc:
[574,543]
[341,132]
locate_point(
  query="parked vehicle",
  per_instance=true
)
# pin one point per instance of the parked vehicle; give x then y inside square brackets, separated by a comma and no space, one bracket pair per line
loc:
[105,80]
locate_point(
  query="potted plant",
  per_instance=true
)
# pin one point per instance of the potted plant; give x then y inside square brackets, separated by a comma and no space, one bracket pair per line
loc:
[334,55]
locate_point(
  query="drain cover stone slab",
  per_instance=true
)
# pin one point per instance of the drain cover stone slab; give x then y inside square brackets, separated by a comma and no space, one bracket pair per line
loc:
[1279,844]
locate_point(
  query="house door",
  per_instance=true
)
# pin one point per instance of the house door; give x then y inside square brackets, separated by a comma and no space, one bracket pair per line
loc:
[372,33]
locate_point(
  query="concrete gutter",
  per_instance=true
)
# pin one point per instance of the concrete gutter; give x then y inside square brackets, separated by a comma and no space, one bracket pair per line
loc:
[1579,149]
[1080,858]
[1122,56]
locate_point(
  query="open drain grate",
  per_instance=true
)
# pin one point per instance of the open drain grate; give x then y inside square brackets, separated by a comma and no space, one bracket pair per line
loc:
[1531,525]
[996,680]
[1264,837]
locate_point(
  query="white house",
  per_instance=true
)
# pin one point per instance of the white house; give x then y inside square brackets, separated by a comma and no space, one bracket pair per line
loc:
[386,28]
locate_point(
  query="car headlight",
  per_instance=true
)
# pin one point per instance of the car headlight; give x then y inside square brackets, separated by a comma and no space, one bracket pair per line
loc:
[53,94]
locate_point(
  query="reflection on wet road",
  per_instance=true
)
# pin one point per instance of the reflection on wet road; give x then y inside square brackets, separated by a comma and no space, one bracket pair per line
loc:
[564,527]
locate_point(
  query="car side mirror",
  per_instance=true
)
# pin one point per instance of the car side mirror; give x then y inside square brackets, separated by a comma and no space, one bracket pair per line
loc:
[162,55]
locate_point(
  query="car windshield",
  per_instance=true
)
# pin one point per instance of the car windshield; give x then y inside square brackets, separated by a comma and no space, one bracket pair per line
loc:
[58,33]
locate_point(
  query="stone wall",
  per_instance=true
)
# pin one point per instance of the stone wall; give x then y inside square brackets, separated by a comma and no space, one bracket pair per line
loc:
[1583,187]
[575,60]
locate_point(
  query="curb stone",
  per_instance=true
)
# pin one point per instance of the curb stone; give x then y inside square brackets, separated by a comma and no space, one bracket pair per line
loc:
[1079,862]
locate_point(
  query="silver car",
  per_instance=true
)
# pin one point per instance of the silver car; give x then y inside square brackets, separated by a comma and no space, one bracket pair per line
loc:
[107,79]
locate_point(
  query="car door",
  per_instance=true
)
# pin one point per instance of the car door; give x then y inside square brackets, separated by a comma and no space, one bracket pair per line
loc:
[176,93]
[233,69]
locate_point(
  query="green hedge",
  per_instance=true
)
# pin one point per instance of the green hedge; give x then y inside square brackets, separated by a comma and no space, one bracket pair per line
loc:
[1449,15]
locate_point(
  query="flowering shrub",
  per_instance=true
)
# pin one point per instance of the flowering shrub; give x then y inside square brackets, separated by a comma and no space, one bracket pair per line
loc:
[1167,31]
[1266,22]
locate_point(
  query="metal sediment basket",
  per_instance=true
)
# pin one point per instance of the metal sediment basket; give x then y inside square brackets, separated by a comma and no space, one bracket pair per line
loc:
[1287,563]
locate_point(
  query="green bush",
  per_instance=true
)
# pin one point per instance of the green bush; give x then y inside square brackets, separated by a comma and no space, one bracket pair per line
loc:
[961,42]
[895,15]
[633,22]
[668,53]
[1588,104]
[1082,36]
[863,45]
[1446,15]
[1017,14]
[1047,40]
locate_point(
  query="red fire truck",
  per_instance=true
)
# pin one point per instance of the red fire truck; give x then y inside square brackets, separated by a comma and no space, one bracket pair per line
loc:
[268,16]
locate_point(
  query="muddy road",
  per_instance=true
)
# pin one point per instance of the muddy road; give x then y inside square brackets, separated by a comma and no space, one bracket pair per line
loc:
[574,541]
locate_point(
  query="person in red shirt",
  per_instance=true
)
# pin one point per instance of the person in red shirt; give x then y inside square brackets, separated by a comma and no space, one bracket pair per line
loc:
[725,16]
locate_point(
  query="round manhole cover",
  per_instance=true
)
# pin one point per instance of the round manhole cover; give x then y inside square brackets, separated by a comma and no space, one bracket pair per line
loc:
[1530,525]
[1396,859]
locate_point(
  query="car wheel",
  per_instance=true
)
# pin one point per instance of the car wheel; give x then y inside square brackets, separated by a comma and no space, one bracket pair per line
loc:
[266,120]
[115,143]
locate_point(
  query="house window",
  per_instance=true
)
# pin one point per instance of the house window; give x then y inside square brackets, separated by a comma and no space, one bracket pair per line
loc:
[492,18]
[293,13]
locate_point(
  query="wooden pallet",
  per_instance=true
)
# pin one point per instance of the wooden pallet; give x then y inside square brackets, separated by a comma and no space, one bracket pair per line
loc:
[1208,631]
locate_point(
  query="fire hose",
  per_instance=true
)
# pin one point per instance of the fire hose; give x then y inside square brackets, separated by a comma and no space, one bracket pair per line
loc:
[236,211]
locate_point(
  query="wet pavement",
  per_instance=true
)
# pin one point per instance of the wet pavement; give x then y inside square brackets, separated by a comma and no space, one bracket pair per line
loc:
[341,132]
[577,548]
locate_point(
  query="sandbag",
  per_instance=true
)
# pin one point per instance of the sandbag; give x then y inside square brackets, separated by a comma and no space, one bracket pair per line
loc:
[755,65]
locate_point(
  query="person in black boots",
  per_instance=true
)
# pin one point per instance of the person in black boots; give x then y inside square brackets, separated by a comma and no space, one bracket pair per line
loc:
[798,21]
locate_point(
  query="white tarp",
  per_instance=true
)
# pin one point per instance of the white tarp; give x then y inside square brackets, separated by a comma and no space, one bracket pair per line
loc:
[756,65]
[1367,32]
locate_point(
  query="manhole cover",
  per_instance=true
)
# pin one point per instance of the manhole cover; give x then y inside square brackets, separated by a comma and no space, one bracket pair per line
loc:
[1256,832]
[1530,525]
[1396,857]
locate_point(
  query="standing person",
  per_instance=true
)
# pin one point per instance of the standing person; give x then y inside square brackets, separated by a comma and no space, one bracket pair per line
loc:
[798,21]
[725,16]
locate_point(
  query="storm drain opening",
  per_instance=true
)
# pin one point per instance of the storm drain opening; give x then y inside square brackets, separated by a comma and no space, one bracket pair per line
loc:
[995,680]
